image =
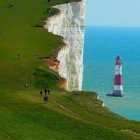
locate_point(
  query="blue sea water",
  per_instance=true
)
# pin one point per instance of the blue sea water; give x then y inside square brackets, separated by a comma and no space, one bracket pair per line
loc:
[102,45]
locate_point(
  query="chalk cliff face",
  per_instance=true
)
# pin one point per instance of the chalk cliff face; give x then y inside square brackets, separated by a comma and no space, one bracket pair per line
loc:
[70,24]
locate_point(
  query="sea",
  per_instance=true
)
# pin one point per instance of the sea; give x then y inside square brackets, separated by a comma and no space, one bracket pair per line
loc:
[102,45]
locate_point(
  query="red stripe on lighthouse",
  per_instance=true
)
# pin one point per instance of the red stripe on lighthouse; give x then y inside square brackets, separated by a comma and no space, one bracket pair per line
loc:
[118,80]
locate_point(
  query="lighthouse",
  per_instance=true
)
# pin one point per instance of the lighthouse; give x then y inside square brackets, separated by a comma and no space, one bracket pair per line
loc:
[118,88]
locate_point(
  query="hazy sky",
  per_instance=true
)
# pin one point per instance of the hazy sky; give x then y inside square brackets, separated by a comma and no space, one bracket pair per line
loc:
[113,12]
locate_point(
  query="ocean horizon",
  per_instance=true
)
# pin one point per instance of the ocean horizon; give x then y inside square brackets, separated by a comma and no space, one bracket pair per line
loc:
[102,45]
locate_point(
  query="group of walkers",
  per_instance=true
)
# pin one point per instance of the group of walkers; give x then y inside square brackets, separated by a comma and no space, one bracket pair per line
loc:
[10,5]
[46,92]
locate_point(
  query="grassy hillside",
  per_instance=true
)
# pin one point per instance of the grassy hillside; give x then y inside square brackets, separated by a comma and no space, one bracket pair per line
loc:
[23,115]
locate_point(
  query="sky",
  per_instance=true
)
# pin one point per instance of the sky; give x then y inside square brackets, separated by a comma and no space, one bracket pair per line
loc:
[113,13]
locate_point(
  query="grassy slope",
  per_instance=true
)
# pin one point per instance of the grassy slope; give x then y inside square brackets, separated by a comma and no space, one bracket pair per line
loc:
[23,116]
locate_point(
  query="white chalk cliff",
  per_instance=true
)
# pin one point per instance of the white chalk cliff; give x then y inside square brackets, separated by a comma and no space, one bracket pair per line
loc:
[70,24]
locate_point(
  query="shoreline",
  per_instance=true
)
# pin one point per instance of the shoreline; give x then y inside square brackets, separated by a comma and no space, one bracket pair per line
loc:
[128,106]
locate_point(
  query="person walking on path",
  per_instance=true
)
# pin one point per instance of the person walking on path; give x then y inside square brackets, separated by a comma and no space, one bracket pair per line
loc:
[45,90]
[49,91]
[25,86]
[41,92]
[49,11]
[18,55]
[45,99]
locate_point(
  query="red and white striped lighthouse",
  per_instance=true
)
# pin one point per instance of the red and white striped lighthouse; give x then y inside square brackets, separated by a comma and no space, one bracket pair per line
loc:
[118,88]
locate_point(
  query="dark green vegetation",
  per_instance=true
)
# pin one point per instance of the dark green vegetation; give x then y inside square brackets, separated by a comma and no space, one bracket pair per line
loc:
[23,115]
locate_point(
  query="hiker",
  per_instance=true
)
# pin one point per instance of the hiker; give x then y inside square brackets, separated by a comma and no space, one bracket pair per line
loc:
[25,86]
[45,99]
[48,91]
[9,6]
[41,92]
[18,55]
[45,90]
[49,10]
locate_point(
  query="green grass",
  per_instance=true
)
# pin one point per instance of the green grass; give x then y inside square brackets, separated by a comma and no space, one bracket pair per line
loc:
[23,115]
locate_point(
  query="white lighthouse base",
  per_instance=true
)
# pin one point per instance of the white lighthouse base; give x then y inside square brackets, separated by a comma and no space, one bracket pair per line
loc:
[116,93]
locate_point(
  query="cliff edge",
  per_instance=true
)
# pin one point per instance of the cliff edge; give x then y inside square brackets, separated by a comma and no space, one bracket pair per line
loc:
[70,24]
